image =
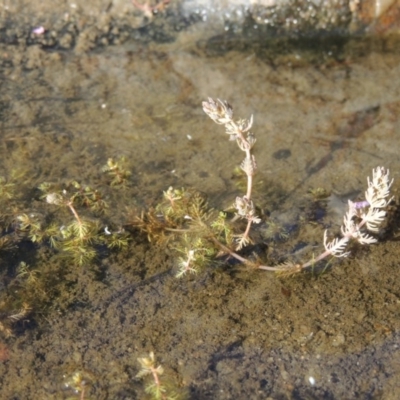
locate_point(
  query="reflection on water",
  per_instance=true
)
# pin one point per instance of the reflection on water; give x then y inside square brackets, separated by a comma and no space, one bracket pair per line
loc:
[318,125]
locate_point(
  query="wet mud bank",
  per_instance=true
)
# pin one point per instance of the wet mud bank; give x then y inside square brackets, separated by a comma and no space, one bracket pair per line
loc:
[66,25]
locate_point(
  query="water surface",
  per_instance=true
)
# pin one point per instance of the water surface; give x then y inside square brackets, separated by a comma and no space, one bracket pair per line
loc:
[323,119]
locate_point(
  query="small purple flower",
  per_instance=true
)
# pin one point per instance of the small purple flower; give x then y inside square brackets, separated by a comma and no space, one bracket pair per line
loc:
[361,204]
[39,30]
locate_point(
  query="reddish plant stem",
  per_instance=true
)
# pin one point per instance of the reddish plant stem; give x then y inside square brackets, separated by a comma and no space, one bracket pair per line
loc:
[72,208]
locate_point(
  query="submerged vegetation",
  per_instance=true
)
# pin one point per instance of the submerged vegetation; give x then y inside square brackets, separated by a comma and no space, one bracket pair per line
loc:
[157,385]
[202,235]
[65,226]
[72,219]
[77,236]
[195,231]
[79,382]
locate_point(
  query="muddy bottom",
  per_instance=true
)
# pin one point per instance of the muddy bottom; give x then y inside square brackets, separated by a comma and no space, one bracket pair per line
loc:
[228,332]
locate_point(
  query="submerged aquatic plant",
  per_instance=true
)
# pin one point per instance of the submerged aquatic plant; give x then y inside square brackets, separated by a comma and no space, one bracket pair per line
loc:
[368,214]
[201,234]
[361,217]
[80,236]
[117,172]
[80,382]
[221,112]
[71,218]
[197,232]
[157,387]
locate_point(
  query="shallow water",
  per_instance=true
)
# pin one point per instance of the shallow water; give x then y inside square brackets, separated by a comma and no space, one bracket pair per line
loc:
[323,119]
